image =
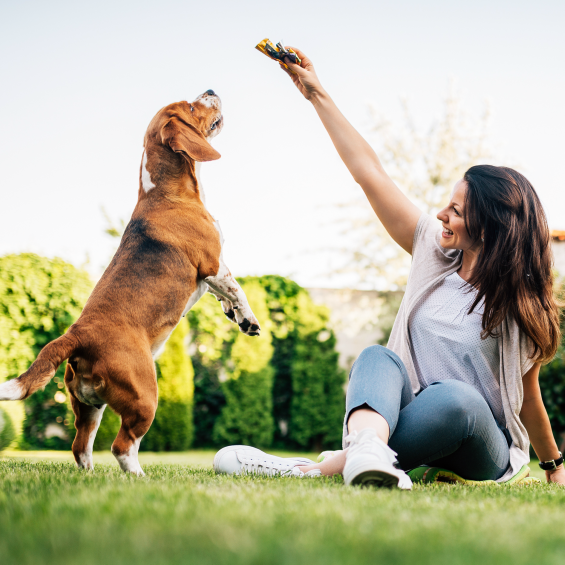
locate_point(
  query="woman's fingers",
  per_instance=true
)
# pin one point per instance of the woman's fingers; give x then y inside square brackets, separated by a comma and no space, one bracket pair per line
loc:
[306,63]
[299,70]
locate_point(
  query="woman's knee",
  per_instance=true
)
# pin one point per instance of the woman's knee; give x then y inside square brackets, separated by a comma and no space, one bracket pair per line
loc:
[459,401]
[376,360]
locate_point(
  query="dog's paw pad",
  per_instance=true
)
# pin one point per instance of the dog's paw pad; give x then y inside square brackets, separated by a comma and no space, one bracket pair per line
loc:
[245,325]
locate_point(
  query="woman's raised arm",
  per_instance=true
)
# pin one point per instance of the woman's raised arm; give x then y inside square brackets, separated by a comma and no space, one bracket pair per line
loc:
[397,213]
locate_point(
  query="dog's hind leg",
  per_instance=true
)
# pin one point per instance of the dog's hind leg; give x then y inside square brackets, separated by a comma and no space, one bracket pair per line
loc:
[134,398]
[87,421]
[135,424]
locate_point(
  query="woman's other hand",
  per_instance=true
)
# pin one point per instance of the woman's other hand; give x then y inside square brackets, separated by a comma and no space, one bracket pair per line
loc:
[304,77]
[556,476]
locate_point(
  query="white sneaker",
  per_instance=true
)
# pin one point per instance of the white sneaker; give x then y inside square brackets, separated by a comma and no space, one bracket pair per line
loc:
[370,462]
[242,459]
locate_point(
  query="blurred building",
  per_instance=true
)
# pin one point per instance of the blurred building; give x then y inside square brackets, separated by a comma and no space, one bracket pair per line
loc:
[558,244]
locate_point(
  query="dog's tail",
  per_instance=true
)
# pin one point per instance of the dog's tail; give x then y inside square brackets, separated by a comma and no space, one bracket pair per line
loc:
[42,370]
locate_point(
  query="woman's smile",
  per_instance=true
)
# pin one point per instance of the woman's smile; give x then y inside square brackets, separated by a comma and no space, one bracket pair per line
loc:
[446,233]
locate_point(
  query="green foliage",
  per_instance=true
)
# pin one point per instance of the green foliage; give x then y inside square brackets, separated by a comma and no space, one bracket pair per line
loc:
[172,428]
[308,390]
[212,336]
[39,299]
[247,416]
[552,384]
[108,430]
[318,395]
[7,431]
[283,303]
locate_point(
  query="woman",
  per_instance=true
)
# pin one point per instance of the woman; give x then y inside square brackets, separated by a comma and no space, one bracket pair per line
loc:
[457,386]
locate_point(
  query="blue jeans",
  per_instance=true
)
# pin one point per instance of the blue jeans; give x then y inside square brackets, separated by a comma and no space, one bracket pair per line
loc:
[449,424]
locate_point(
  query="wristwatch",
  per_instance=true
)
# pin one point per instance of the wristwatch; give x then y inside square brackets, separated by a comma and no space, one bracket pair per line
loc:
[551,465]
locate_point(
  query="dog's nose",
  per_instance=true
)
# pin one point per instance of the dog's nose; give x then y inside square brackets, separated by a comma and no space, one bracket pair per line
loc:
[210,93]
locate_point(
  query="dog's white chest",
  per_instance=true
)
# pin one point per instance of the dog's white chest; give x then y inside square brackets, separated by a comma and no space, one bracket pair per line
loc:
[201,289]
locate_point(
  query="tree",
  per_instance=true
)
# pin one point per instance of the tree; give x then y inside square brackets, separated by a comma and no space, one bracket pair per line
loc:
[308,395]
[247,416]
[425,165]
[39,299]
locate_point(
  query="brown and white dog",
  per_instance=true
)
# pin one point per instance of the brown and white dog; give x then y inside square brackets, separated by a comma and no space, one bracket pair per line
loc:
[169,256]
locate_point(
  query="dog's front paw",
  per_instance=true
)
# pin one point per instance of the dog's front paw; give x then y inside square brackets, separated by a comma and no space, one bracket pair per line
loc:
[230,314]
[229,311]
[251,328]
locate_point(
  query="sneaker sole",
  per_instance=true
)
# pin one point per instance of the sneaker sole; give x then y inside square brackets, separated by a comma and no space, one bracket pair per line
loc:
[371,475]
[379,479]
[220,453]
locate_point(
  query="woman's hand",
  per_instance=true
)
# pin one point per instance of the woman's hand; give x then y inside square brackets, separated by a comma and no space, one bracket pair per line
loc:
[305,78]
[556,476]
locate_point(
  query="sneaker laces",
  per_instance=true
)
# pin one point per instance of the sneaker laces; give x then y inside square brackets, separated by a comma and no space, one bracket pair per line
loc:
[257,466]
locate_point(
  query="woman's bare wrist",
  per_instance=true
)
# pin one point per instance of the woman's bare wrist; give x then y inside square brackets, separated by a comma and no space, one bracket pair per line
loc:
[318,97]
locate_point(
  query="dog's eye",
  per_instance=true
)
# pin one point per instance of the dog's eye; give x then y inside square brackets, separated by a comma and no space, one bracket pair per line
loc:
[213,126]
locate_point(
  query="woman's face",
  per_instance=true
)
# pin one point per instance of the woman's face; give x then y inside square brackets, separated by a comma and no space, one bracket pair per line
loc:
[454,234]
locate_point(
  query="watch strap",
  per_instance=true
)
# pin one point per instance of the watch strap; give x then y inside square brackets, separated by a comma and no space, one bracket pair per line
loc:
[551,465]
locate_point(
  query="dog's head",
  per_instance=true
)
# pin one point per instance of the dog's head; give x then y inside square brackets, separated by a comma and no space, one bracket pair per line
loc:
[178,136]
[186,128]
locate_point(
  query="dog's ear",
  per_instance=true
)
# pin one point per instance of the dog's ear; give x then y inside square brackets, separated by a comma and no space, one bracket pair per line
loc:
[187,140]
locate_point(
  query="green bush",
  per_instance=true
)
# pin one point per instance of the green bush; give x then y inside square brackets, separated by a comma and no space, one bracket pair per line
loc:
[308,391]
[552,384]
[172,428]
[108,430]
[284,312]
[293,319]
[247,416]
[212,337]
[318,401]
[39,299]
[7,431]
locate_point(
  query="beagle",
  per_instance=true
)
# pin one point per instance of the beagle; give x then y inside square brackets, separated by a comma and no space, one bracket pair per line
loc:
[169,256]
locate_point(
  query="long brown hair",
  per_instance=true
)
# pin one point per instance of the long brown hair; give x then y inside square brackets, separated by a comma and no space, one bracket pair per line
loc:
[514,270]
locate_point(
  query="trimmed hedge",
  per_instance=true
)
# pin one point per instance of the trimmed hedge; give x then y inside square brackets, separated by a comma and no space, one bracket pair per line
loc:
[39,299]
[247,416]
[172,428]
[7,431]
[309,395]
[304,376]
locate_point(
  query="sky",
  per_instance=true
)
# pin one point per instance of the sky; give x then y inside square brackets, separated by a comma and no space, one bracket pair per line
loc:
[81,81]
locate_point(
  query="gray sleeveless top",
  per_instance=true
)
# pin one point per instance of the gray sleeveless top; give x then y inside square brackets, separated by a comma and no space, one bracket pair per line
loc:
[446,342]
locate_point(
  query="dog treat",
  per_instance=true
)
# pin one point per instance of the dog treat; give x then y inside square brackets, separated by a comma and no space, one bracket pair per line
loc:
[278,52]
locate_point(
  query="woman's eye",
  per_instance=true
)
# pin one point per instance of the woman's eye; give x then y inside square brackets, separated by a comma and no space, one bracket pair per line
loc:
[455,210]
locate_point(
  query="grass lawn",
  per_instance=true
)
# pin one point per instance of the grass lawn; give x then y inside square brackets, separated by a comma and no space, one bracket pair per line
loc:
[52,513]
